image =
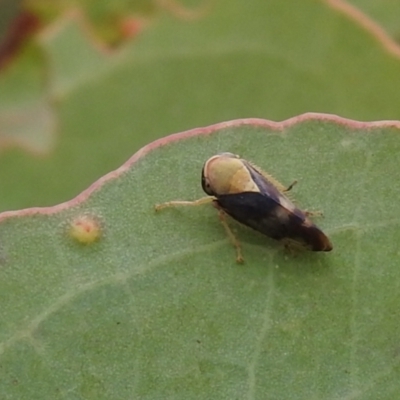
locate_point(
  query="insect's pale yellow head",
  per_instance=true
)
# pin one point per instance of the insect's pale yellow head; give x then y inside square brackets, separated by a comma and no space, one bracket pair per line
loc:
[226,173]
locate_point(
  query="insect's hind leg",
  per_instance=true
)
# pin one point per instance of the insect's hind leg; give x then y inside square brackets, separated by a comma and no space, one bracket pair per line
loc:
[313,213]
[232,237]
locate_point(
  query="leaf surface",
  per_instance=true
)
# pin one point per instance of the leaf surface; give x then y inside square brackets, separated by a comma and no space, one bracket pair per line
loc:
[94,108]
[157,308]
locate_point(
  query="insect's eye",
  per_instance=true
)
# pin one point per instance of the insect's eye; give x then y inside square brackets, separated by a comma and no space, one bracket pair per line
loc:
[206,185]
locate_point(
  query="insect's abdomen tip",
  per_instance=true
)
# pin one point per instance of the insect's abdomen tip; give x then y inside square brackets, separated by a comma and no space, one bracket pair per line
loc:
[317,239]
[328,246]
[324,244]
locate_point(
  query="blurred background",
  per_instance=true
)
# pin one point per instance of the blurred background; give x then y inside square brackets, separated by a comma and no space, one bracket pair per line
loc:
[84,84]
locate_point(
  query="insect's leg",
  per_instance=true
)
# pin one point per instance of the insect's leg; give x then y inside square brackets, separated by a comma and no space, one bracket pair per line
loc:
[203,200]
[290,186]
[293,247]
[232,237]
[314,213]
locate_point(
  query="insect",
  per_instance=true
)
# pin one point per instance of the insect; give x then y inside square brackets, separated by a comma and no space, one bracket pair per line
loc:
[254,198]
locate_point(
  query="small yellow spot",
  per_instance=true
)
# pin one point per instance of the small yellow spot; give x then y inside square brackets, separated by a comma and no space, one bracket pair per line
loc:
[85,229]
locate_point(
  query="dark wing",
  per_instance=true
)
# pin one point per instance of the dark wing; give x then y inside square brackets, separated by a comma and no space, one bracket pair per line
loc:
[268,189]
[258,211]
[264,213]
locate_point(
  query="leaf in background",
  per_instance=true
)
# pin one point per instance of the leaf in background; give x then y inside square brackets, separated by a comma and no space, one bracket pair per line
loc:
[10,10]
[273,60]
[385,13]
[27,118]
[157,308]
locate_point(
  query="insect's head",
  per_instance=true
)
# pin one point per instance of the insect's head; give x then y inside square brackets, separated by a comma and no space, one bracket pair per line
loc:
[225,173]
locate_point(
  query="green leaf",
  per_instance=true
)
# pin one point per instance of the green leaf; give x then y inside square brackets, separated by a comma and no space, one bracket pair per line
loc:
[27,119]
[157,308]
[273,59]
[383,12]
